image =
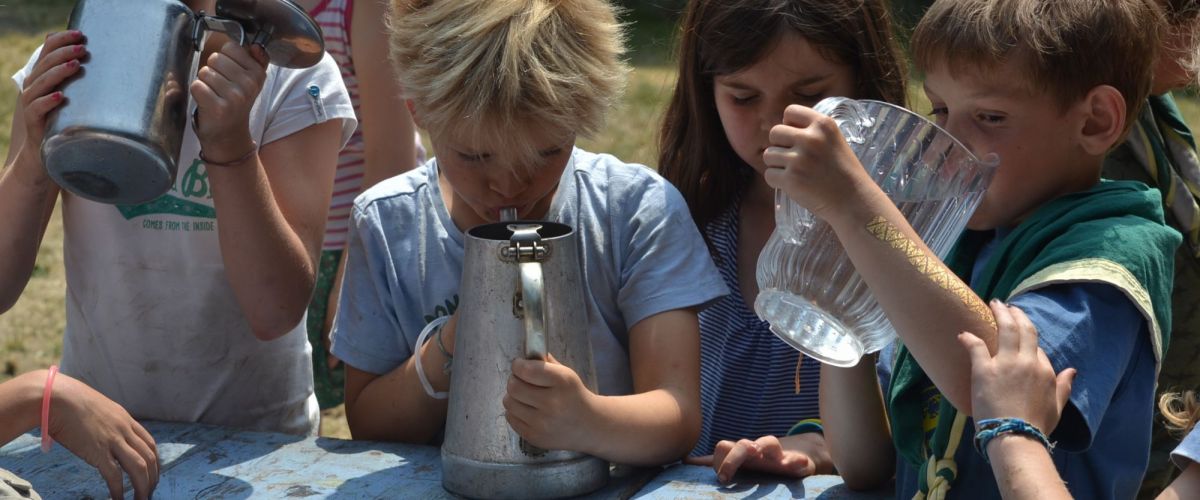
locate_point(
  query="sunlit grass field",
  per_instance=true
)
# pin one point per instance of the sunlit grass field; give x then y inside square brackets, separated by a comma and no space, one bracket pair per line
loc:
[31,333]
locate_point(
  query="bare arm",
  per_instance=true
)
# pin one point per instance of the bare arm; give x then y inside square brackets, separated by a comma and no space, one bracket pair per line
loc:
[1019,382]
[660,421]
[27,194]
[1024,470]
[925,302]
[270,247]
[386,124]
[394,406]
[856,427]
[548,405]
[271,216]
[88,424]
[1187,485]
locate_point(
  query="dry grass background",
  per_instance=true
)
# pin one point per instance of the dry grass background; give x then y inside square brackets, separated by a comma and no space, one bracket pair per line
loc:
[31,333]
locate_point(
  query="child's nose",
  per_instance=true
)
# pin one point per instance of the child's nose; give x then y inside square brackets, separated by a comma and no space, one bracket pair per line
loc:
[509,184]
[961,130]
[771,115]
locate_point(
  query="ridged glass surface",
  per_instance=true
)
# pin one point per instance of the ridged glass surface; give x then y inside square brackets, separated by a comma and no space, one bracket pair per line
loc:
[808,289]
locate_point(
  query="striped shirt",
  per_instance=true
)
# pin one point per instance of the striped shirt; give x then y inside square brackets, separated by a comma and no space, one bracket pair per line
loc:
[747,374]
[333,16]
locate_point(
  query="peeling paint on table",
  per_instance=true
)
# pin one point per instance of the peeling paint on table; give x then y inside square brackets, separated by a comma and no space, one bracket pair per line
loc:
[200,461]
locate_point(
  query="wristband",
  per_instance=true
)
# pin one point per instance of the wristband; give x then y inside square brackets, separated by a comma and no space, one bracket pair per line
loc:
[47,441]
[991,428]
[806,426]
[435,325]
[239,161]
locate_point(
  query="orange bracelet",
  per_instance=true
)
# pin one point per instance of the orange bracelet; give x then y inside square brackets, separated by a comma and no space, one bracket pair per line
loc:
[47,441]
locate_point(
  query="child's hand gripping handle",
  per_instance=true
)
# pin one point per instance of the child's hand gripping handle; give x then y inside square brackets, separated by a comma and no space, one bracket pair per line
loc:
[526,250]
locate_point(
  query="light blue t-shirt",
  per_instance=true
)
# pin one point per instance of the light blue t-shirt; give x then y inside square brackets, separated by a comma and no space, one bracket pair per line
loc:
[1103,437]
[639,249]
[1188,450]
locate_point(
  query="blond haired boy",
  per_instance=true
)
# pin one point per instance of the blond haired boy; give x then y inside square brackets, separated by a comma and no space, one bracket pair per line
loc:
[1048,86]
[503,89]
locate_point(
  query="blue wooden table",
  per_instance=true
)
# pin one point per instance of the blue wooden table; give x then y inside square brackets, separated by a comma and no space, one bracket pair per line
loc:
[199,461]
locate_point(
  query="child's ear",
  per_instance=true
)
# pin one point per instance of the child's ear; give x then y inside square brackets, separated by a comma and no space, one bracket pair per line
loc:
[1103,112]
[412,110]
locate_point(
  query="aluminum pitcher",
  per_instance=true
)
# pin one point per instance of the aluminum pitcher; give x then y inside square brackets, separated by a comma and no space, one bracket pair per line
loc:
[117,137]
[521,296]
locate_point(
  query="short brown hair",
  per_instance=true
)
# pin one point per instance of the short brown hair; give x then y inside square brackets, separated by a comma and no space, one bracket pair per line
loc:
[491,68]
[1066,47]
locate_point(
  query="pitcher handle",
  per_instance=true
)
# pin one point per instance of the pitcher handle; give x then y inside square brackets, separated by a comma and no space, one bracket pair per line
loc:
[205,23]
[532,300]
[849,115]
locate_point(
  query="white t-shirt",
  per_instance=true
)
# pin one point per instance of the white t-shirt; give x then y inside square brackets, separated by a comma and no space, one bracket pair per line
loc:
[152,321]
[639,250]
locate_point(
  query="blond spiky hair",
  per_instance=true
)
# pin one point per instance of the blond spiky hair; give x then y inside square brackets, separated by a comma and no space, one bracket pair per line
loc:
[489,69]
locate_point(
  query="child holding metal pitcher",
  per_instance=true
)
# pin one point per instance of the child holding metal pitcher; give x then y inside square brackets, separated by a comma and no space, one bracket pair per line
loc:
[741,63]
[171,303]
[503,89]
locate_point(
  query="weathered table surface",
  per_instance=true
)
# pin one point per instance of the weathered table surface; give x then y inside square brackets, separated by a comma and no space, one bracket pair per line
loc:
[199,461]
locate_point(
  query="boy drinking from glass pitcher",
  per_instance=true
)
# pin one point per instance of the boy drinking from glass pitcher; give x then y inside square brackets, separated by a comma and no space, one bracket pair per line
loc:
[1048,86]
[504,88]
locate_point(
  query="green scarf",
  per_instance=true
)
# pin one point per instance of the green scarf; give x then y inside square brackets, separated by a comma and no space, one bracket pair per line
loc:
[1164,146]
[1113,233]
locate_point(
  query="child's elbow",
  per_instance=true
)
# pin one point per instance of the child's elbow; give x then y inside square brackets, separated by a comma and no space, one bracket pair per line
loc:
[267,329]
[689,432]
[861,482]
[872,473]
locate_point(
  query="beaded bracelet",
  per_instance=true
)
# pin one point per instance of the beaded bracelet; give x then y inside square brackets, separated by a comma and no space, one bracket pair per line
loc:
[806,426]
[990,428]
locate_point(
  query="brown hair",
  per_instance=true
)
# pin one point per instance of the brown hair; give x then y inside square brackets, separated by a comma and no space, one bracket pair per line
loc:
[1181,11]
[494,68]
[720,37]
[1181,410]
[1066,47]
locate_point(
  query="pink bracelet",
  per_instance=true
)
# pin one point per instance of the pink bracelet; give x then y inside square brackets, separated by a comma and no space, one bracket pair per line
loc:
[47,441]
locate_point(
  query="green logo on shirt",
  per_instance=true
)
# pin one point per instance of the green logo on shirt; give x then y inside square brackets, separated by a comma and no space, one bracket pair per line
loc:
[192,184]
[446,310]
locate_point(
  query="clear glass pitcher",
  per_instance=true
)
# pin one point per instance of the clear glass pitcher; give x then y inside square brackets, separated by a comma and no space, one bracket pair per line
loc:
[809,291]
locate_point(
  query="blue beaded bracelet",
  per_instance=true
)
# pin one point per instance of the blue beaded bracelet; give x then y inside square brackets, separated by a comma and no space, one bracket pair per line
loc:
[990,428]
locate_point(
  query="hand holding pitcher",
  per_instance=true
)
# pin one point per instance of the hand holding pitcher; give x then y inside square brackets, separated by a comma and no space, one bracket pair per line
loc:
[548,404]
[225,90]
[60,59]
[811,162]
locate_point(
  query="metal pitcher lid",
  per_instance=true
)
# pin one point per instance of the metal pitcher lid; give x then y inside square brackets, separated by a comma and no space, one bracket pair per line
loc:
[292,39]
